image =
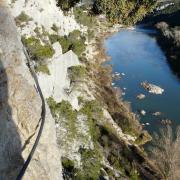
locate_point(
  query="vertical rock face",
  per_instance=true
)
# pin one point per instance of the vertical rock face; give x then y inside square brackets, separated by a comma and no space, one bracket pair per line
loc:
[20,110]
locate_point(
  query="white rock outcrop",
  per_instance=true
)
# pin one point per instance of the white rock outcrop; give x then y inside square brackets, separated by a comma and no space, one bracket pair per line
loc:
[140,96]
[20,111]
[57,84]
[44,13]
[151,88]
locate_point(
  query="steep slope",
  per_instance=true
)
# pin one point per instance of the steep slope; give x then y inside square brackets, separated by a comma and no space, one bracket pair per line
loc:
[20,112]
[92,142]
[44,14]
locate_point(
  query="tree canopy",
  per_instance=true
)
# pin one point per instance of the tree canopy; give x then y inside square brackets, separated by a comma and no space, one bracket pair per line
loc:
[124,11]
[67,4]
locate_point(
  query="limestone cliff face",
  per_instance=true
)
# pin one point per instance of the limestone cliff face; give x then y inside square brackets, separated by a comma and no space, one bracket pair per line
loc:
[20,110]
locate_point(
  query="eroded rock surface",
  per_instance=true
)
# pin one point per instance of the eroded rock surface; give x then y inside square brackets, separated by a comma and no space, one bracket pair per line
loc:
[20,110]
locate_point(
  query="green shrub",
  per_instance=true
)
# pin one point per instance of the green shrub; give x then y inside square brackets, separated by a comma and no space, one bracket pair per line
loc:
[36,49]
[65,5]
[52,105]
[80,100]
[64,110]
[77,73]
[92,109]
[42,68]
[91,165]
[84,18]
[74,42]
[74,35]
[90,34]
[22,18]
[63,41]
[55,28]
[78,47]
[123,11]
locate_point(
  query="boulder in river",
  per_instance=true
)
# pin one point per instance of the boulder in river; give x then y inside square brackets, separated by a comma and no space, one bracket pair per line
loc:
[151,88]
[156,113]
[143,112]
[116,76]
[166,122]
[141,96]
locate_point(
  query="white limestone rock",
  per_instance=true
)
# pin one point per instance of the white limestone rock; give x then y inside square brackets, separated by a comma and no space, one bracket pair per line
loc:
[44,14]
[58,49]
[143,112]
[151,88]
[57,83]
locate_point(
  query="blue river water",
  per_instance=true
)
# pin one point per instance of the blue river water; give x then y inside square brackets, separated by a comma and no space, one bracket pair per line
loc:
[137,54]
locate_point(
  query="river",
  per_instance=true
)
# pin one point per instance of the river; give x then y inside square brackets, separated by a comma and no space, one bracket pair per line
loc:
[137,54]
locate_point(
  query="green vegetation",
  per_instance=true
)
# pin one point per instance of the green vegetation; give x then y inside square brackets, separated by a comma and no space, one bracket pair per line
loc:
[64,41]
[78,47]
[92,109]
[91,165]
[124,11]
[64,110]
[36,50]
[65,5]
[169,40]
[90,34]
[22,18]
[134,175]
[165,152]
[67,164]
[42,68]
[54,28]
[80,100]
[75,42]
[77,73]
[84,18]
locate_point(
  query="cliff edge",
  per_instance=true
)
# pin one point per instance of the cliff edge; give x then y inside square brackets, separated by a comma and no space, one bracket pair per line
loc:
[20,111]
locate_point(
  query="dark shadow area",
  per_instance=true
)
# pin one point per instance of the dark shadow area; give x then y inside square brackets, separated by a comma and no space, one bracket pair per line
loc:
[170,18]
[10,143]
[172,53]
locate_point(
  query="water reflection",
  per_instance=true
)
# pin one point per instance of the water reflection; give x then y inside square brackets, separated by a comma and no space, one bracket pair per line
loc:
[138,55]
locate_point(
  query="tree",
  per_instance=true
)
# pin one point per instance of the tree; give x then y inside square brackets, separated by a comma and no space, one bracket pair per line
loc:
[67,4]
[165,152]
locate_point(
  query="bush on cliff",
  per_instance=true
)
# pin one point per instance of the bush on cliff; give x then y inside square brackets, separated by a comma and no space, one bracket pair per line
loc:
[74,41]
[65,5]
[42,68]
[36,50]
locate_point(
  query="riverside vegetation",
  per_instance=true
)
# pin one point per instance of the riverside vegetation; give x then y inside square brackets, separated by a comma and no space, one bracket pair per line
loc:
[106,143]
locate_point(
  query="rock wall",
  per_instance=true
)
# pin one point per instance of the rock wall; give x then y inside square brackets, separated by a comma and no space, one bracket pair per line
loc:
[44,14]
[20,110]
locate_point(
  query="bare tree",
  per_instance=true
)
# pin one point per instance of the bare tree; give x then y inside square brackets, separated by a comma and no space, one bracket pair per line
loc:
[165,152]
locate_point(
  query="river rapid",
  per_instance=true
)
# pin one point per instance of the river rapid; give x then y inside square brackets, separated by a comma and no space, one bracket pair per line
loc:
[137,56]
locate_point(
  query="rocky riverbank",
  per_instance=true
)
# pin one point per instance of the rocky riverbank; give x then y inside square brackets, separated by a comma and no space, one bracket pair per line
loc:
[110,97]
